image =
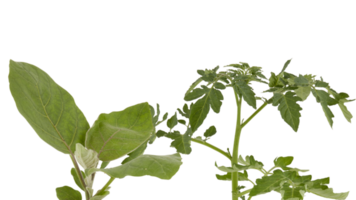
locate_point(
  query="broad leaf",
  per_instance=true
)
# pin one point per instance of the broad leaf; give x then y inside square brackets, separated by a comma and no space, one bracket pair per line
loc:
[163,167]
[196,93]
[48,108]
[324,99]
[328,193]
[283,161]
[104,164]
[119,133]
[76,178]
[303,92]
[139,151]
[86,158]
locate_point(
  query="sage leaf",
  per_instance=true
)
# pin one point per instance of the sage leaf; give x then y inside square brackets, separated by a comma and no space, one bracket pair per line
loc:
[66,191]
[161,166]
[210,131]
[119,133]
[289,108]
[86,158]
[329,193]
[48,108]
[76,178]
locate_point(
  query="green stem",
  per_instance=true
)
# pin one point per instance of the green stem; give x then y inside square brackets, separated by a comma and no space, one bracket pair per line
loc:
[244,192]
[235,153]
[80,176]
[212,147]
[108,182]
[249,198]
[254,114]
[251,182]
[271,169]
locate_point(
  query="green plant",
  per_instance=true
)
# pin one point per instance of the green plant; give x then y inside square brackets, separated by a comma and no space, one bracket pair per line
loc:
[53,114]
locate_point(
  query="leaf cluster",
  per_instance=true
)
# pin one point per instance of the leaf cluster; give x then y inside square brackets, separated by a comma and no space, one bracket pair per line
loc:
[55,117]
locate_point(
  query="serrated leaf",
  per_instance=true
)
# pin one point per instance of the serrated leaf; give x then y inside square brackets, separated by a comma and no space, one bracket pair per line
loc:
[48,108]
[235,168]
[329,193]
[119,133]
[227,176]
[344,110]
[289,109]
[68,193]
[247,93]
[182,143]
[196,93]
[329,115]
[215,97]
[324,99]
[199,112]
[318,183]
[163,167]
[292,193]
[250,162]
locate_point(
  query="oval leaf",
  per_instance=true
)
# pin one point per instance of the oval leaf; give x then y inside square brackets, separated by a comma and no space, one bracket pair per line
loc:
[68,193]
[119,133]
[48,108]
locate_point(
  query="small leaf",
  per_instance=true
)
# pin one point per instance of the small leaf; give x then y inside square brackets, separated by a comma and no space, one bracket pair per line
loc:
[328,193]
[76,179]
[195,83]
[196,93]
[227,177]
[215,97]
[272,80]
[250,162]
[66,191]
[287,63]
[100,197]
[172,121]
[283,161]
[210,132]
[301,81]
[247,93]
[86,158]
[219,85]
[269,183]
[180,142]
[160,133]
[303,92]
[234,168]
[321,84]
[324,99]
[181,121]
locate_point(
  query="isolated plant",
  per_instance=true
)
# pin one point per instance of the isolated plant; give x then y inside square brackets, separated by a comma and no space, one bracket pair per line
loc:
[124,135]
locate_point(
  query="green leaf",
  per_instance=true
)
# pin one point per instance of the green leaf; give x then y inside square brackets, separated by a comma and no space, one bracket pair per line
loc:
[209,75]
[210,131]
[160,133]
[227,176]
[199,112]
[289,109]
[329,193]
[324,96]
[196,93]
[321,84]
[250,162]
[301,81]
[100,197]
[344,110]
[247,93]
[104,164]
[48,108]
[139,151]
[287,63]
[182,143]
[172,122]
[195,83]
[235,168]
[181,121]
[283,161]
[76,178]
[292,193]
[272,80]
[303,93]
[329,115]
[163,167]
[86,158]
[215,97]
[269,183]
[68,193]
[119,133]
[219,85]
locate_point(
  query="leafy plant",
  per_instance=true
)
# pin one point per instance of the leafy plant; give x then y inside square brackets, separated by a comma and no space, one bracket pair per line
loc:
[125,134]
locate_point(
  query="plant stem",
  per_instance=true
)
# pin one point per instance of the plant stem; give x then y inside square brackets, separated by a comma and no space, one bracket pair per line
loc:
[243,193]
[213,147]
[79,174]
[235,153]
[254,114]
[107,183]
